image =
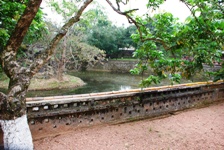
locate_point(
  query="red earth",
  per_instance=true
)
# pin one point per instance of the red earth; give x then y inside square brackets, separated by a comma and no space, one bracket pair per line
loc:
[195,129]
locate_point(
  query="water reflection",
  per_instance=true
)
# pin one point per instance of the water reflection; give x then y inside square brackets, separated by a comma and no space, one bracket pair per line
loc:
[124,87]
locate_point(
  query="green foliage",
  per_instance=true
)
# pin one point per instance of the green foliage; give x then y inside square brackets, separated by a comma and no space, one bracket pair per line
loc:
[175,50]
[127,40]
[96,29]
[64,8]
[109,37]
[151,79]
[101,33]
[10,12]
[106,37]
[154,3]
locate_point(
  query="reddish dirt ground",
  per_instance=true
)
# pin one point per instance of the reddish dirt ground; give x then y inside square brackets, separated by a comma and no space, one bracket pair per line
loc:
[196,129]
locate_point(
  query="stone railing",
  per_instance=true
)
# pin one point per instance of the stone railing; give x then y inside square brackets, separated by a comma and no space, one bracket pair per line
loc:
[52,115]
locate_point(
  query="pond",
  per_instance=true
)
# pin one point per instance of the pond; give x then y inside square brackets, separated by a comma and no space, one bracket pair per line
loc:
[99,82]
[95,82]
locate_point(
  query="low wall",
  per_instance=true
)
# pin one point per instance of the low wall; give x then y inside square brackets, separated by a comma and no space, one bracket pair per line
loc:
[114,66]
[52,115]
[212,69]
[125,66]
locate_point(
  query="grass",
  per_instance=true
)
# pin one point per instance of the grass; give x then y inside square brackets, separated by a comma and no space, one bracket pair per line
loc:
[47,84]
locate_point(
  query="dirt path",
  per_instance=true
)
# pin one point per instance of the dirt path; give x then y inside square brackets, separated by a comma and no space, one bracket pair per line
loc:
[198,129]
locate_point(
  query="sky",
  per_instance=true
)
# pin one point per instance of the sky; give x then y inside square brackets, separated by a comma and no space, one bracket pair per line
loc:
[177,8]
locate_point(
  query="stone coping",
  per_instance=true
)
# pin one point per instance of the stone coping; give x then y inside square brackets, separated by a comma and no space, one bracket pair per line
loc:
[112,94]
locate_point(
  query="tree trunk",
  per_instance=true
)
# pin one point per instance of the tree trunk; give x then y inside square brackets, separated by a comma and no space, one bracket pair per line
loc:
[17,135]
[13,116]
[61,62]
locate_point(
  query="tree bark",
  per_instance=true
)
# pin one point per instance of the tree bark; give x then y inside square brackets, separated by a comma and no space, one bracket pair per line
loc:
[61,62]
[13,104]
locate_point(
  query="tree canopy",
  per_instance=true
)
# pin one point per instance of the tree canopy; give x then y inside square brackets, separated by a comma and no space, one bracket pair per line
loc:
[11,11]
[175,50]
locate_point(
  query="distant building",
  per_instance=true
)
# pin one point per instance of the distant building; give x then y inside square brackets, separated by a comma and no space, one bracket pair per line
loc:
[127,49]
[125,52]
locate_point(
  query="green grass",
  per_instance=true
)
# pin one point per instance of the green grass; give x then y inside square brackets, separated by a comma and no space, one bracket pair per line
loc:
[47,84]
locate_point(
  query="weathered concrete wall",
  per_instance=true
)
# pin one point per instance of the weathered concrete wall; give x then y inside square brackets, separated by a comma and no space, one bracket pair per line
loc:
[214,68]
[52,115]
[125,66]
[114,66]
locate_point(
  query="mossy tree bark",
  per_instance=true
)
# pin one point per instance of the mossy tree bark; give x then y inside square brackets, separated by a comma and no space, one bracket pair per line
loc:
[13,104]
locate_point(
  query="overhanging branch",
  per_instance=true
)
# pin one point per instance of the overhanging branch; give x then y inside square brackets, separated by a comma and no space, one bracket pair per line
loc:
[137,24]
[22,26]
[8,56]
[44,57]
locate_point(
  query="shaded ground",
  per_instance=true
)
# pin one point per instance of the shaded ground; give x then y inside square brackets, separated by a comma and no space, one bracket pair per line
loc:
[198,129]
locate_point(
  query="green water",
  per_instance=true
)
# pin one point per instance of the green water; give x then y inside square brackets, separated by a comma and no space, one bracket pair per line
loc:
[95,82]
[100,82]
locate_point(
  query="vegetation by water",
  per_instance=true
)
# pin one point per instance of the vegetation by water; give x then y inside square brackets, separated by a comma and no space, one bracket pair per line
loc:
[103,82]
[172,49]
[47,84]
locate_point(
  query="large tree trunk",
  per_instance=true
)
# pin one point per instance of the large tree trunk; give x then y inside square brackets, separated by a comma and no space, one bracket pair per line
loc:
[14,123]
[13,104]
[17,135]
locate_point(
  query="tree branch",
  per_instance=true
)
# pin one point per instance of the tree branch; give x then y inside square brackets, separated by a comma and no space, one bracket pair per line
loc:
[132,20]
[44,57]
[8,56]
[22,26]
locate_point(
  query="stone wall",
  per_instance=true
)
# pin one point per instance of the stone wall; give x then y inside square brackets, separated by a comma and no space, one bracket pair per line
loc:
[114,66]
[52,115]
[124,66]
[214,68]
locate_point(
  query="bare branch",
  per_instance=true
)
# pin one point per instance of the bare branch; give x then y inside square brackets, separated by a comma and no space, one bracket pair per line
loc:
[130,11]
[137,24]
[51,48]
[191,10]
[118,9]
[118,5]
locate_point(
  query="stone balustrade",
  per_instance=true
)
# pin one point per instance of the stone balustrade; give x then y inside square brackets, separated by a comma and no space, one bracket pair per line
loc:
[52,115]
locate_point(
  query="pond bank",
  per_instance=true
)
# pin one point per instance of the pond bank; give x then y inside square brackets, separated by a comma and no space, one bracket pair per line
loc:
[122,66]
[49,84]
